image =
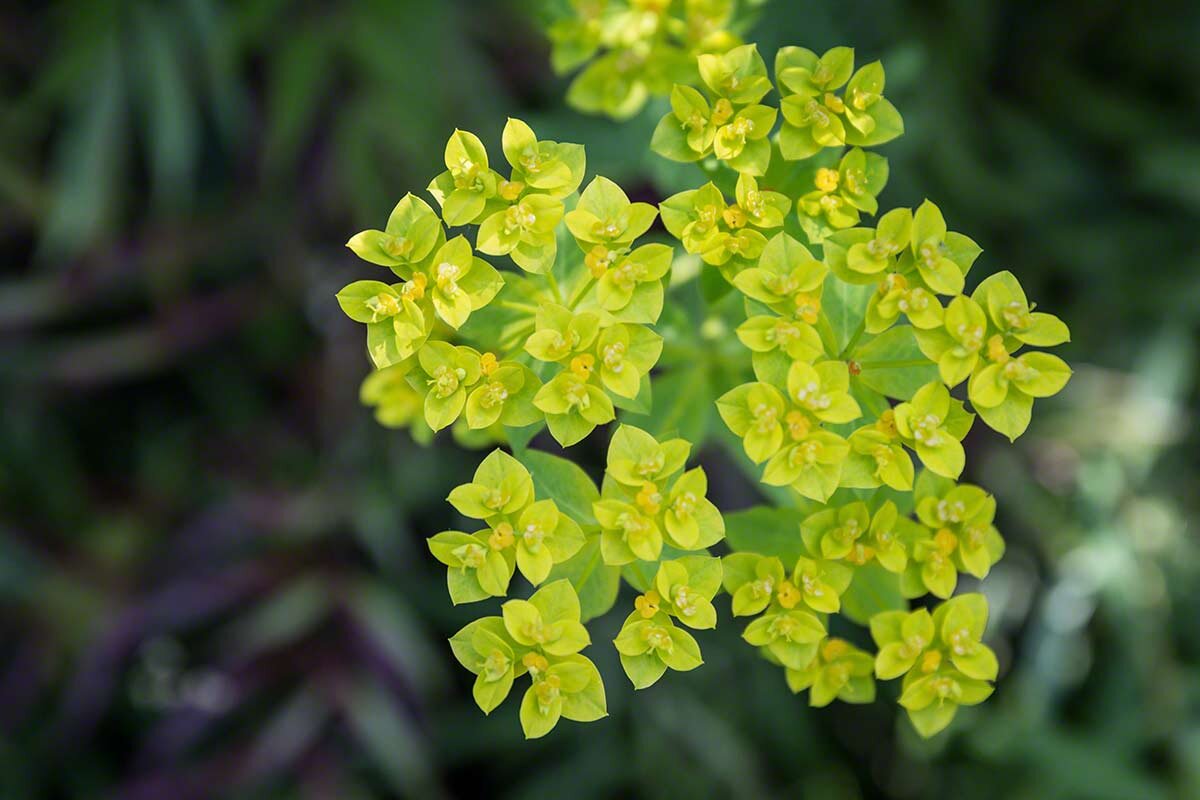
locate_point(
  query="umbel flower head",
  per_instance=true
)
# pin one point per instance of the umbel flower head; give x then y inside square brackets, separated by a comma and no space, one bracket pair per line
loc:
[864,359]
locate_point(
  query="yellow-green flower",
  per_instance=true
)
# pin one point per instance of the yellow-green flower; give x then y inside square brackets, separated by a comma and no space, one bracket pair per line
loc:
[841,193]
[877,456]
[523,231]
[468,184]
[450,372]
[499,491]
[711,229]
[734,127]
[1003,386]
[650,646]
[787,279]
[934,424]
[539,166]
[605,223]
[412,233]
[838,671]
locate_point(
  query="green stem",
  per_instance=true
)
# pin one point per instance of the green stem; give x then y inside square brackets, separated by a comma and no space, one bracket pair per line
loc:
[578,295]
[553,284]
[516,306]
[849,348]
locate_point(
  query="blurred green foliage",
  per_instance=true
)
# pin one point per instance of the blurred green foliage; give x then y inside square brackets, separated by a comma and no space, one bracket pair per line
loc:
[213,580]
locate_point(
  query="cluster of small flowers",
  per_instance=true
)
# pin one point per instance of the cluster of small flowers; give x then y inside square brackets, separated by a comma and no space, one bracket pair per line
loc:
[647,504]
[830,354]
[855,335]
[543,354]
[635,49]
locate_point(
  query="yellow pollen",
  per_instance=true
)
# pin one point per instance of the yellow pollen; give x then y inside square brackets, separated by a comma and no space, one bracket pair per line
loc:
[996,350]
[583,365]
[502,536]
[535,662]
[893,282]
[734,217]
[511,190]
[649,499]
[488,363]
[647,604]
[722,111]
[945,541]
[931,661]
[415,288]
[798,425]
[833,649]
[398,247]
[598,260]
[808,307]
[788,595]
[827,179]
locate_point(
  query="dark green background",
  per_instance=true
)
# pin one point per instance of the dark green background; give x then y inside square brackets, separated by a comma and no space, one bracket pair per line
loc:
[213,581]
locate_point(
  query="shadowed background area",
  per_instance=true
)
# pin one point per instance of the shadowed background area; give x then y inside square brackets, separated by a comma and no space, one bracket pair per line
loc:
[213,577]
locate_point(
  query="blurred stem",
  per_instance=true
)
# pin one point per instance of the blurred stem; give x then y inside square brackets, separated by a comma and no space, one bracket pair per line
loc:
[553,284]
[581,292]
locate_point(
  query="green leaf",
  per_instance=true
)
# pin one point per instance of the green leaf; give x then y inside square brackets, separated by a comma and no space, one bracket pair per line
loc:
[845,306]
[595,582]
[766,531]
[563,482]
[681,408]
[642,403]
[874,590]
[892,363]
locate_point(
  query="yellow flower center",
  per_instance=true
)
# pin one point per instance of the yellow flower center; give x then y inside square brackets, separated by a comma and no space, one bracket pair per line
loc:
[446,380]
[647,604]
[446,276]
[488,363]
[383,305]
[927,430]
[614,357]
[945,541]
[494,394]
[798,425]
[1016,314]
[649,499]
[658,637]
[684,505]
[833,649]
[397,246]
[734,217]
[931,661]
[495,666]
[471,555]
[765,417]
[827,179]
[599,259]
[582,365]
[535,663]
[502,536]
[510,190]
[996,351]
[722,111]
[808,307]
[788,595]
[415,288]
[532,537]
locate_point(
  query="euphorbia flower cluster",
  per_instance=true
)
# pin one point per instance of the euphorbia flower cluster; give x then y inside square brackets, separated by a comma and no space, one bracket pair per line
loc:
[864,361]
